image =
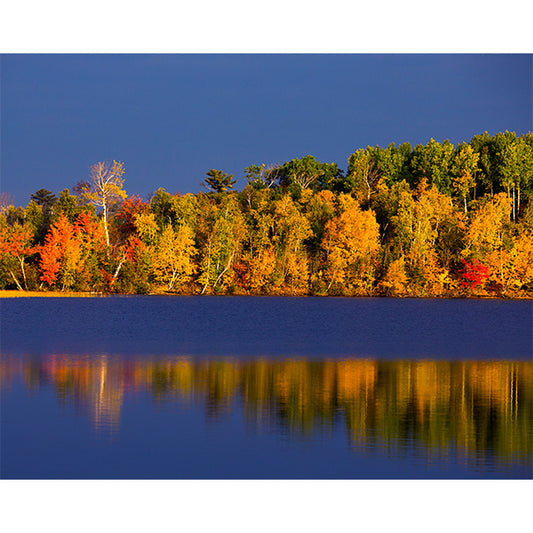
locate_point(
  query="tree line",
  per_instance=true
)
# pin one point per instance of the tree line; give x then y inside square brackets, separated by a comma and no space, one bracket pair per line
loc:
[433,220]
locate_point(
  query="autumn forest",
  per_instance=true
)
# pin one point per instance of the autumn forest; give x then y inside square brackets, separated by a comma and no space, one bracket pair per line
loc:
[430,221]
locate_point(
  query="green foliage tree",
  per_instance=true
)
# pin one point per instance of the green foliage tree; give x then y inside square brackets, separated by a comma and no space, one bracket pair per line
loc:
[363,175]
[307,172]
[261,176]
[161,207]
[516,170]
[218,181]
[40,212]
[464,168]
[485,146]
[46,199]
[34,218]
[433,162]
[70,205]
[393,162]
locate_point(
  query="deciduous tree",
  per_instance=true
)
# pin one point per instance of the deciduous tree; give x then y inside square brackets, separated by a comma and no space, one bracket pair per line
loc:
[105,189]
[69,255]
[172,256]
[395,282]
[307,172]
[221,233]
[290,229]
[15,242]
[351,244]
[363,175]
[465,166]
[516,170]
[433,162]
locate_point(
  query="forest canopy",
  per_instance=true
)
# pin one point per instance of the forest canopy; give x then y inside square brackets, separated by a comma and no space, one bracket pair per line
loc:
[430,220]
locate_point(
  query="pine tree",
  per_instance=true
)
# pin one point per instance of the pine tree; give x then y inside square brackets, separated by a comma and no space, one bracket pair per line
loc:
[218,181]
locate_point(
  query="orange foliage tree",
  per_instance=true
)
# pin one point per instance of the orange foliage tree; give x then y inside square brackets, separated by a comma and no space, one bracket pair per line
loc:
[15,243]
[351,244]
[67,250]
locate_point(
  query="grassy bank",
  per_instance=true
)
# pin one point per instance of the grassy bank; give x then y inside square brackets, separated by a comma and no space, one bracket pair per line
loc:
[37,294]
[67,294]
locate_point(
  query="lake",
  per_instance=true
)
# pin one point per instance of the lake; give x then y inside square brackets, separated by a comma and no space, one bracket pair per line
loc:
[200,387]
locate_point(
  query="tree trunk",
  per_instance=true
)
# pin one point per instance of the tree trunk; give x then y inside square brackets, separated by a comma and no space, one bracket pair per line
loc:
[16,281]
[21,259]
[105,225]
[122,261]
[225,269]
[514,205]
[208,266]
[172,280]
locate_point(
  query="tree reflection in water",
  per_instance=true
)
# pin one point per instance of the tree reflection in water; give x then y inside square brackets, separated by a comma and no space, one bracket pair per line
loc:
[482,410]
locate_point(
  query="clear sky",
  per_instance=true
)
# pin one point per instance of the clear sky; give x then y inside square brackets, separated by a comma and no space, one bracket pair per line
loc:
[171,118]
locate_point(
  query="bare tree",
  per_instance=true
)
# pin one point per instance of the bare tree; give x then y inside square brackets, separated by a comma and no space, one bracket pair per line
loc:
[5,201]
[104,188]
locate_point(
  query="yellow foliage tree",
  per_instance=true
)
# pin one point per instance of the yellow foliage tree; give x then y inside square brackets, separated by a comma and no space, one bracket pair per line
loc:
[395,281]
[486,231]
[416,226]
[172,256]
[291,228]
[510,270]
[260,269]
[351,244]
[147,227]
[222,230]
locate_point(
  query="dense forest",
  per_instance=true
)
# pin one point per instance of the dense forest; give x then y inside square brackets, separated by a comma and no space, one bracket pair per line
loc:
[433,220]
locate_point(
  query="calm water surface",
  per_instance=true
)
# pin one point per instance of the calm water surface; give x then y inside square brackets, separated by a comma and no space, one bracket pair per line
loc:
[229,387]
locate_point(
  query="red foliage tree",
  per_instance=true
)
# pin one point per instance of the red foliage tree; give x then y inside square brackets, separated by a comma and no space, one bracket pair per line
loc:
[125,218]
[134,246]
[474,273]
[241,273]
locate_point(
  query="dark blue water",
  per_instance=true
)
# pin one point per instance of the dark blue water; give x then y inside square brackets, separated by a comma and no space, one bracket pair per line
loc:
[237,388]
[248,326]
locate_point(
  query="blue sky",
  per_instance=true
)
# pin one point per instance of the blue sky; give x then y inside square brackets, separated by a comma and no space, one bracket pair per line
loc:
[170,118]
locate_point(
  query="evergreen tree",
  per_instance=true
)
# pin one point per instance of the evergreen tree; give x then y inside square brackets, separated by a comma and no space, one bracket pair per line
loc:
[218,181]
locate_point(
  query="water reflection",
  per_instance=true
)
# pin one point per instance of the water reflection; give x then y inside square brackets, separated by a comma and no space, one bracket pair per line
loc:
[480,410]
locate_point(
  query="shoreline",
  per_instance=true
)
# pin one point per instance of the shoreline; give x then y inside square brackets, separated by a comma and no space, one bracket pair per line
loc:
[51,294]
[58,294]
